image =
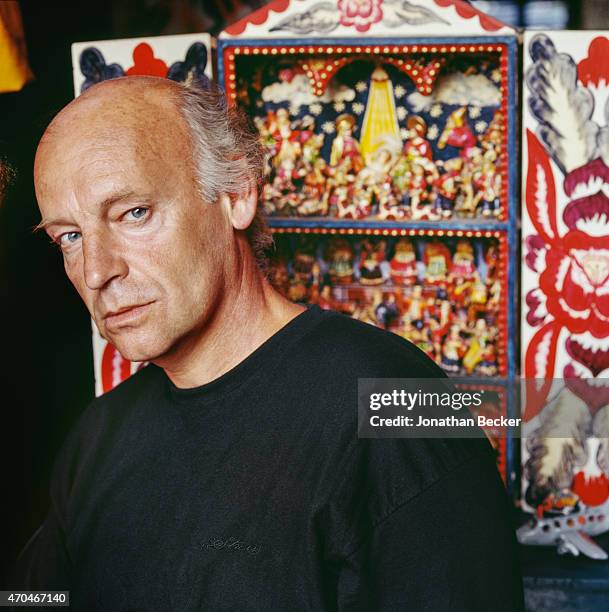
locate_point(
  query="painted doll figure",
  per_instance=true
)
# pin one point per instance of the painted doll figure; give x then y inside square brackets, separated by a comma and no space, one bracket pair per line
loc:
[457,133]
[345,144]
[493,137]
[463,265]
[452,350]
[417,145]
[307,129]
[478,298]
[488,363]
[400,177]
[373,182]
[416,305]
[488,183]
[477,347]
[440,325]
[388,205]
[314,189]
[341,259]
[465,204]
[421,337]
[436,258]
[371,260]
[339,187]
[287,145]
[403,264]
[283,186]
[387,312]
[447,187]
[418,191]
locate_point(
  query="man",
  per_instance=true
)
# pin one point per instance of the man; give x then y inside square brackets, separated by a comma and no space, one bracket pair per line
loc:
[227,474]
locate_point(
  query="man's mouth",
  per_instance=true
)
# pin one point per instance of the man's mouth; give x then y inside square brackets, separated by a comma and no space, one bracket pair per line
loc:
[126,315]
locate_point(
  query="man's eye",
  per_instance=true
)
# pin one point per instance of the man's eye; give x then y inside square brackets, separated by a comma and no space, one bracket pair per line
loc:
[136,213]
[67,239]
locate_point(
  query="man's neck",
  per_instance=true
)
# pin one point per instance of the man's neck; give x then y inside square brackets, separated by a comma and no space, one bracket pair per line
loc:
[248,312]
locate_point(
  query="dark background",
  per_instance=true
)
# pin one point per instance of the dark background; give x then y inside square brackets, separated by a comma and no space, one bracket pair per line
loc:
[47,370]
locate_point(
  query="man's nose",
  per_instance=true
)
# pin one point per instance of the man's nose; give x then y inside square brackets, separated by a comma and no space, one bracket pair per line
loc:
[103,261]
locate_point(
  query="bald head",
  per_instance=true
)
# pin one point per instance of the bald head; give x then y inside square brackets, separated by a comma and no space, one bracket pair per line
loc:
[138,115]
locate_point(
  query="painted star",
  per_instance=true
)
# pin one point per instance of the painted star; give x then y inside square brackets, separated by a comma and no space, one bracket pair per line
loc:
[328,127]
[357,108]
[361,86]
[315,108]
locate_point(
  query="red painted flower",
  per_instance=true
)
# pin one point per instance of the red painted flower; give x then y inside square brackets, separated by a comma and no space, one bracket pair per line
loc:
[576,283]
[360,13]
[572,262]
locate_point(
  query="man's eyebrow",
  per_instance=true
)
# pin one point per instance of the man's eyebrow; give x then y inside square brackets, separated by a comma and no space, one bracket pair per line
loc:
[103,205]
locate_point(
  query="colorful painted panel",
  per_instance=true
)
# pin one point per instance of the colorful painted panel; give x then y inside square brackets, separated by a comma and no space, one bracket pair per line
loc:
[314,19]
[387,133]
[183,58]
[565,267]
[445,293]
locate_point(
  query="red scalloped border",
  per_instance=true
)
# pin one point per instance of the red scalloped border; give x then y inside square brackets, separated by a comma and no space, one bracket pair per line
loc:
[257,17]
[467,11]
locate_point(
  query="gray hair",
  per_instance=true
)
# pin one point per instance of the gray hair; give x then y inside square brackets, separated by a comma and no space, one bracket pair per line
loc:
[228,156]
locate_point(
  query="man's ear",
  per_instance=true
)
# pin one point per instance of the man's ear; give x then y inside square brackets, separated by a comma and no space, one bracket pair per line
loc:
[242,207]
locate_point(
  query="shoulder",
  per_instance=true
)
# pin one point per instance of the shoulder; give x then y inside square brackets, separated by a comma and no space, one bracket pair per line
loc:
[366,350]
[379,476]
[97,427]
[115,406]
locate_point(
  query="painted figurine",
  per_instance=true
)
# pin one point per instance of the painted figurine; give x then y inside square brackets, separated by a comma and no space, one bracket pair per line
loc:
[436,259]
[345,145]
[339,187]
[371,258]
[488,183]
[313,189]
[341,259]
[477,346]
[417,145]
[416,305]
[447,187]
[452,351]
[457,133]
[463,265]
[387,311]
[403,264]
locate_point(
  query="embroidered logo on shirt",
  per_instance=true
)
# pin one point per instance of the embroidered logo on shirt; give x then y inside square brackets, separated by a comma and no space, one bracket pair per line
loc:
[232,544]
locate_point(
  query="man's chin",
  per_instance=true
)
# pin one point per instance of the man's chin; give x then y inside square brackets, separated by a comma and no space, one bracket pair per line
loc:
[133,350]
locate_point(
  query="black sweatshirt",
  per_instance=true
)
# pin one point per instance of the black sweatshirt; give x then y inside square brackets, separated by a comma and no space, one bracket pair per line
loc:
[253,492]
